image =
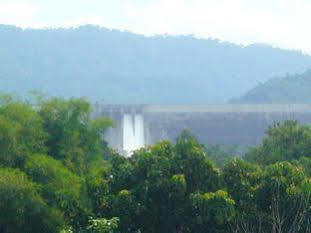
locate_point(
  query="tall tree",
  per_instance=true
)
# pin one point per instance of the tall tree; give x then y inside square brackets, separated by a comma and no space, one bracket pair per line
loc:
[21,207]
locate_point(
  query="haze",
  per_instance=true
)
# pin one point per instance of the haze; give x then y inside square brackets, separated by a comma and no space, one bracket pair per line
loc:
[280,23]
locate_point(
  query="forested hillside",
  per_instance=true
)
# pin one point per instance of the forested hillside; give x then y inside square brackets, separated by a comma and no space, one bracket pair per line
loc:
[122,67]
[57,175]
[288,89]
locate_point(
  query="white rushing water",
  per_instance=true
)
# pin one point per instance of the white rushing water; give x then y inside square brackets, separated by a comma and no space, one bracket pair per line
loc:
[128,133]
[139,131]
[133,133]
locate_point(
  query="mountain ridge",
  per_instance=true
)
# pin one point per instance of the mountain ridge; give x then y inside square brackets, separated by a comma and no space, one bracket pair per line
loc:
[292,88]
[123,67]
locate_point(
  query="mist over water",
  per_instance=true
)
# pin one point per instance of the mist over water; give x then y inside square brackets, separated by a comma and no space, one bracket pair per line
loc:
[133,133]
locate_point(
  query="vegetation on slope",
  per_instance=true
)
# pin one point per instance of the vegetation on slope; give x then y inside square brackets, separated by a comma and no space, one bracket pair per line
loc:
[289,89]
[122,67]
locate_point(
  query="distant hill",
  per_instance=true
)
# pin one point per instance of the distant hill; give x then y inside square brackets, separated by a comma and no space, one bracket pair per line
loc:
[122,67]
[289,89]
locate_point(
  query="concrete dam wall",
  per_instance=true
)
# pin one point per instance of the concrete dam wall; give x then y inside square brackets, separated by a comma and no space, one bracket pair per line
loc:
[139,125]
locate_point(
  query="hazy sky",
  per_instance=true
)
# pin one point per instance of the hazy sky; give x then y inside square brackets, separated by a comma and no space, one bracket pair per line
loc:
[282,23]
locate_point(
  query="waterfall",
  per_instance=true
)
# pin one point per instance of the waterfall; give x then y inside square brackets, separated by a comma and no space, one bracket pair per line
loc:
[133,133]
[139,131]
[128,133]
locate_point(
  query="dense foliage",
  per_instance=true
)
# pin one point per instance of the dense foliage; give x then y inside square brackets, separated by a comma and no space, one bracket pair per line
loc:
[288,89]
[123,67]
[58,175]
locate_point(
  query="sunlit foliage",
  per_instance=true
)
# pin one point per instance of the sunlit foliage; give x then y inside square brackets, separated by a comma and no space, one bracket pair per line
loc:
[57,174]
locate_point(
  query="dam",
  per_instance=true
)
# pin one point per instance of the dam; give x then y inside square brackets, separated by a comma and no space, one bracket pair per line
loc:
[223,124]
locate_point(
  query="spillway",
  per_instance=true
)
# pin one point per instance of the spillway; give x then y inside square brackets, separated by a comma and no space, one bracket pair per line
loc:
[140,125]
[128,134]
[139,131]
[133,133]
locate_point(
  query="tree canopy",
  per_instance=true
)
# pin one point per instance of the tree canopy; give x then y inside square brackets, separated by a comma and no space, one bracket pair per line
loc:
[58,175]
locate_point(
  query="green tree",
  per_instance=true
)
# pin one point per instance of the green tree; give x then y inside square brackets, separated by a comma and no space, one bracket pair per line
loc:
[191,160]
[125,206]
[154,185]
[212,212]
[284,141]
[21,133]
[305,163]
[103,225]
[73,136]
[22,209]
[98,185]
[242,180]
[284,196]
[222,154]
[60,187]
